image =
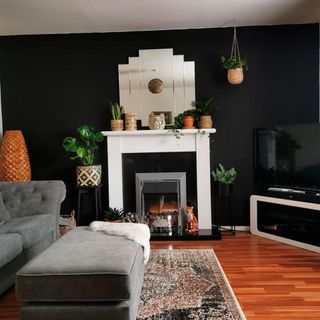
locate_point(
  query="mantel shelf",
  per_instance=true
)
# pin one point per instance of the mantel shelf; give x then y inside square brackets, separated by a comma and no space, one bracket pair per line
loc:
[156,132]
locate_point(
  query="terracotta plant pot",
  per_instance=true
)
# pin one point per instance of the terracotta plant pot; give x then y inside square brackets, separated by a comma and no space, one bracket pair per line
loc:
[116,125]
[205,122]
[89,176]
[235,76]
[188,122]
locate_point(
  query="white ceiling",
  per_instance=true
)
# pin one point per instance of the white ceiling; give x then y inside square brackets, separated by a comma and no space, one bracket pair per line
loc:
[77,16]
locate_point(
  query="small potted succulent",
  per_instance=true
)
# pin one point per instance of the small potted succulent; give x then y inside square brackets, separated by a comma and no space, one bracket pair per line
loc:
[225,179]
[113,215]
[117,112]
[84,150]
[205,109]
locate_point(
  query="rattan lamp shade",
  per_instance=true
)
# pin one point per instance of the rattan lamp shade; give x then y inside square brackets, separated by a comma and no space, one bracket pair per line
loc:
[14,158]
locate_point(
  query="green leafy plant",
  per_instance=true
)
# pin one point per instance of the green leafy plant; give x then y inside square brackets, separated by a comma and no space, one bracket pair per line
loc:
[224,176]
[204,108]
[83,148]
[176,132]
[234,63]
[117,111]
[113,214]
[178,120]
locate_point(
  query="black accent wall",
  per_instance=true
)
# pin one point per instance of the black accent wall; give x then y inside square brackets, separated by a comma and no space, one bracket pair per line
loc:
[53,83]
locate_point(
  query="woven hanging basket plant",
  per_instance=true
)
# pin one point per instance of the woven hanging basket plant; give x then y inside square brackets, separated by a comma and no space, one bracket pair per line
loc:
[235,76]
[235,64]
[14,158]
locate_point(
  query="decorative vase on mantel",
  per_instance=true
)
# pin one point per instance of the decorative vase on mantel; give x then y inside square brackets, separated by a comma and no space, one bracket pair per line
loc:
[14,158]
[130,121]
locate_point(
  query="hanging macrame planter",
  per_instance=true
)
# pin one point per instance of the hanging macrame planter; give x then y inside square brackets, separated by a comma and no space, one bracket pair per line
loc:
[234,64]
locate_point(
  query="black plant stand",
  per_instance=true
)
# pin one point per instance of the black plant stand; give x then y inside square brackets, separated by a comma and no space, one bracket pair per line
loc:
[93,191]
[225,193]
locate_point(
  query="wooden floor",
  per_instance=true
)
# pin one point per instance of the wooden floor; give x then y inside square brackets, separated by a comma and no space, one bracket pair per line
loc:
[271,280]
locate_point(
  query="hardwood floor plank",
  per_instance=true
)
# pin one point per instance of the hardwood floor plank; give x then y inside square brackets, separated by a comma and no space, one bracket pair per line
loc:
[271,280]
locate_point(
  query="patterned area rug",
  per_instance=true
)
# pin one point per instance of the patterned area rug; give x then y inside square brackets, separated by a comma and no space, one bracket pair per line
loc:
[186,284]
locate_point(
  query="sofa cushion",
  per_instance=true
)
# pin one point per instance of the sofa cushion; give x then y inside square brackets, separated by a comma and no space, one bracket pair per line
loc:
[10,247]
[83,266]
[4,214]
[31,229]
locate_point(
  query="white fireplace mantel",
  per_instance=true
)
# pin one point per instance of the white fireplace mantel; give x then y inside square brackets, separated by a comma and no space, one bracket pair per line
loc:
[151,141]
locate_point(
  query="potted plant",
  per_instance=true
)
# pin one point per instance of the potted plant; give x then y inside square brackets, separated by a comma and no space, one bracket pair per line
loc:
[84,149]
[205,110]
[117,112]
[234,64]
[113,215]
[225,179]
[186,120]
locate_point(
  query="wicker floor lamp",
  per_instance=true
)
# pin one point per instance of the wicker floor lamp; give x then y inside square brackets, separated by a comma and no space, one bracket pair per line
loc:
[14,158]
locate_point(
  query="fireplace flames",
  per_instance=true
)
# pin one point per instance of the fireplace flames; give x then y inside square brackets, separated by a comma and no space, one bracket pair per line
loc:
[165,208]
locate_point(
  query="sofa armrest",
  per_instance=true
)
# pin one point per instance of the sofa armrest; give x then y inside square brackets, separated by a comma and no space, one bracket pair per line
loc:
[35,197]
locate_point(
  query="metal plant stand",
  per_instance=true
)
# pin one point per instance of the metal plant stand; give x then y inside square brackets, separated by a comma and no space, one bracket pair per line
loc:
[225,194]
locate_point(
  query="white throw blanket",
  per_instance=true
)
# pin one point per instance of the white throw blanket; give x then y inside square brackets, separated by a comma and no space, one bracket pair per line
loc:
[133,231]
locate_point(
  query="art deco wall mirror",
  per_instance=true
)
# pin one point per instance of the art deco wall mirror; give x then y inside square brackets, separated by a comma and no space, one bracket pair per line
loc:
[156,81]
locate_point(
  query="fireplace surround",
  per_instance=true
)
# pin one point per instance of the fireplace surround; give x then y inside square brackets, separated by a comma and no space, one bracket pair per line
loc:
[157,141]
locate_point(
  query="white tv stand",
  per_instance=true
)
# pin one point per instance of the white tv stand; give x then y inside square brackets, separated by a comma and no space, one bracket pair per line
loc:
[254,199]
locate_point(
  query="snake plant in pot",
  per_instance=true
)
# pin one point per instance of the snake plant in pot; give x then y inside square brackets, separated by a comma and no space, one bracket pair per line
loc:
[117,112]
[84,149]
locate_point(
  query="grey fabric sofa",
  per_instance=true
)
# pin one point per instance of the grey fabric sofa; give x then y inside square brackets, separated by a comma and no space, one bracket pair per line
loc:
[30,220]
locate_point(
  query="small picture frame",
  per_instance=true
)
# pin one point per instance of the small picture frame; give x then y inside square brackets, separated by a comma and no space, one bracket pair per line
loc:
[167,116]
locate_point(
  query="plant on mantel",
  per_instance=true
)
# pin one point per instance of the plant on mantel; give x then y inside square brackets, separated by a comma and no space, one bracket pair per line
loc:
[117,112]
[201,109]
[205,109]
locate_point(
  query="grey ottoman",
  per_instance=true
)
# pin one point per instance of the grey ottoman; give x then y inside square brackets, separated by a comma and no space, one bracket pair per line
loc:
[83,275]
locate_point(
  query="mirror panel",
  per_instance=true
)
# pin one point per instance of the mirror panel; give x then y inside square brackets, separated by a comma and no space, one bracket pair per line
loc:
[156,81]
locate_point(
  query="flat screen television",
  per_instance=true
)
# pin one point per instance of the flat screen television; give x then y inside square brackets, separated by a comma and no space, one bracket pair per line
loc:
[288,157]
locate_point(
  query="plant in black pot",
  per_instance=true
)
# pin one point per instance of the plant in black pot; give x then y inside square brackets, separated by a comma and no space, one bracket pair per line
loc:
[84,149]
[225,179]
